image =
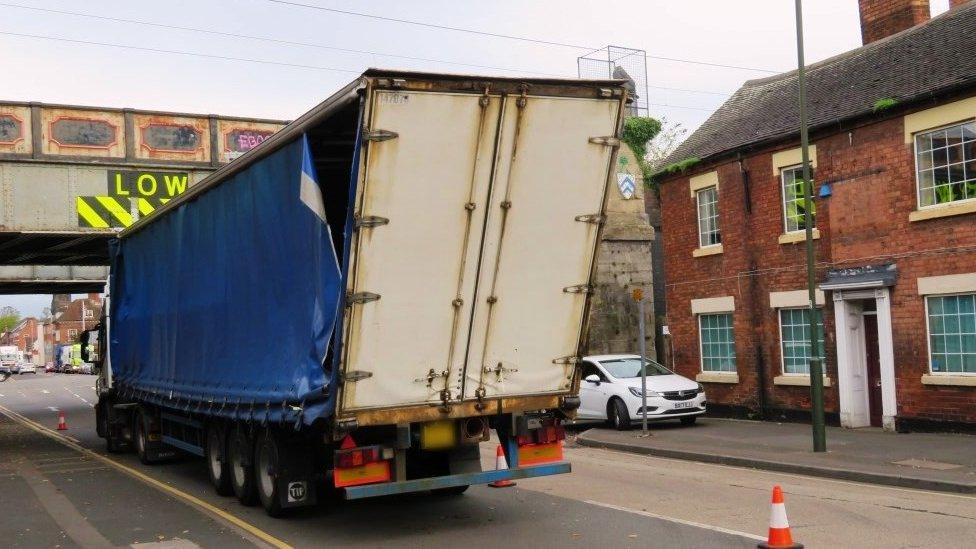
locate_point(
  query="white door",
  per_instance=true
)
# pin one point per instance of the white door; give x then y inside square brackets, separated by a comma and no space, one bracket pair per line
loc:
[412,279]
[538,250]
[593,396]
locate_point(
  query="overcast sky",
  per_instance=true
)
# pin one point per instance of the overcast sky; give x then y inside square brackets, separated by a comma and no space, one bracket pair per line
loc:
[749,33]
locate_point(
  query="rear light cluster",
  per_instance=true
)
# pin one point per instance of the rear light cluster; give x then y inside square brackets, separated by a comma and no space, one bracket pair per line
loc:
[551,431]
[356,457]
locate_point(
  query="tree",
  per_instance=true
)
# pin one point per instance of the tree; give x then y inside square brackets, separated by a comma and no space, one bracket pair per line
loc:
[9,317]
[665,142]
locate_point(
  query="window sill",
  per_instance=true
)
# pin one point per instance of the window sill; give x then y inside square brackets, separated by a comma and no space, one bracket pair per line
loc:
[717,377]
[942,379]
[798,236]
[943,210]
[708,250]
[798,380]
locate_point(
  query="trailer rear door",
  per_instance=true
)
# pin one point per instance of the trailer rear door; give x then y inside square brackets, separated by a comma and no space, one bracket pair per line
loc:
[428,174]
[540,241]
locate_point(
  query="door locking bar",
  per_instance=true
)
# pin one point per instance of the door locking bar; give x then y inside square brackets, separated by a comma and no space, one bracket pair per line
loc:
[596,219]
[579,289]
[370,221]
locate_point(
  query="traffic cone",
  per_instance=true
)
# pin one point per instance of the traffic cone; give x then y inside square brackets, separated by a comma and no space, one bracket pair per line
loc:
[779,528]
[501,464]
[62,424]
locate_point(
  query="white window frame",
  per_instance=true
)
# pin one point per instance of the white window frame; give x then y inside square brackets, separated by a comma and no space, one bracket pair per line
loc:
[782,192]
[782,354]
[918,186]
[698,204]
[701,349]
[928,335]
[89,313]
[72,333]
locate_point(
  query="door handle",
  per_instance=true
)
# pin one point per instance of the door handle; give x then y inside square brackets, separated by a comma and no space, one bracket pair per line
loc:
[877,383]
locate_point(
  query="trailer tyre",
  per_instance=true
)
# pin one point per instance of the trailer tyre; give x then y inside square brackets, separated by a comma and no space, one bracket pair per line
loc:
[142,438]
[267,463]
[240,450]
[218,466]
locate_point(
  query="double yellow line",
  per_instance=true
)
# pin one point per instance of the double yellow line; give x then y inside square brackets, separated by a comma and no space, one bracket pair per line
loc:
[162,486]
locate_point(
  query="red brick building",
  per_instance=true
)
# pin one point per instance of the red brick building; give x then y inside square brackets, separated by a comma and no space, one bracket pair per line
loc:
[23,336]
[893,153]
[77,316]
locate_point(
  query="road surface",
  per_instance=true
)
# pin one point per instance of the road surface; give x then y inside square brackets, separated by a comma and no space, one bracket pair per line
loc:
[56,494]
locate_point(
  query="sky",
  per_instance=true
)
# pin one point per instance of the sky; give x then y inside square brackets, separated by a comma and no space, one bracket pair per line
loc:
[65,58]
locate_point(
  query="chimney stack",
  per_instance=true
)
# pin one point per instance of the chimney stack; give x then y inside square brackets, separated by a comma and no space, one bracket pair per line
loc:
[882,18]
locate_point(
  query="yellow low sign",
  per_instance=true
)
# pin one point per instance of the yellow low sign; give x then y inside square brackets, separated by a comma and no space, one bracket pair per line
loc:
[126,184]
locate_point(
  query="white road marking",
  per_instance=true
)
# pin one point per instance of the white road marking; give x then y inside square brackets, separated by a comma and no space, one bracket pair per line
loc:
[676,520]
[79,397]
[53,408]
[45,392]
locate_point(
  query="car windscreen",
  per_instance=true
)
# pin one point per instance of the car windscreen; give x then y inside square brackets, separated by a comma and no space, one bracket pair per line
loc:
[622,368]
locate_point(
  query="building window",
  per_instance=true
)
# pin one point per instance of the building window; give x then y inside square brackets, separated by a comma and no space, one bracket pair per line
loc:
[794,199]
[717,342]
[72,334]
[794,333]
[945,164]
[89,313]
[952,333]
[708,232]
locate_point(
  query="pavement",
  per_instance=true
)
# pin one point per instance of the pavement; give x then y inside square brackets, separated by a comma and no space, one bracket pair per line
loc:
[942,462]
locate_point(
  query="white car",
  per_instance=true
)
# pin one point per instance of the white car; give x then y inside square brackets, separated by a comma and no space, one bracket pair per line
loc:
[611,390]
[28,368]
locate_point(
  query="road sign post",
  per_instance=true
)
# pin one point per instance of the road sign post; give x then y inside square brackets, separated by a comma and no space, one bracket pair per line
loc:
[639,298]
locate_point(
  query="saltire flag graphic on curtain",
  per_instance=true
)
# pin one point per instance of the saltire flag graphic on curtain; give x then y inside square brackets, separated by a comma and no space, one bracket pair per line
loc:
[233,297]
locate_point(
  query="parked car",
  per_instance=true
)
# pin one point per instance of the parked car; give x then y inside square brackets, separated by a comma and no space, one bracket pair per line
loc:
[28,368]
[49,367]
[611,390]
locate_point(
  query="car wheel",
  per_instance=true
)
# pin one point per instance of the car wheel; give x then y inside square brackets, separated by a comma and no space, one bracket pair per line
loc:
[690,420]
[618,415]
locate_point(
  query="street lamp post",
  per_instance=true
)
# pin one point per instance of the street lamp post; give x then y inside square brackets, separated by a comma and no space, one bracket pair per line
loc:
[816,367]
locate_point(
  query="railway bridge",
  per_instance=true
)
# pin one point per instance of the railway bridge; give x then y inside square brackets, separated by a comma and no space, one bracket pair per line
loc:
[72,177]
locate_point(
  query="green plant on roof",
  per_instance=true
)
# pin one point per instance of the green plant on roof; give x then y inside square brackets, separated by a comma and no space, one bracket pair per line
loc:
[681,165]
[884,104]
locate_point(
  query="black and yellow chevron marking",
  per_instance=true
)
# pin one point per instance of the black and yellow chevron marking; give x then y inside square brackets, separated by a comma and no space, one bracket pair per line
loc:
[150,205]
[102,212]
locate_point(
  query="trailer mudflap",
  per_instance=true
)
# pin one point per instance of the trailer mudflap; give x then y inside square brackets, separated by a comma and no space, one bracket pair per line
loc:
[449,481]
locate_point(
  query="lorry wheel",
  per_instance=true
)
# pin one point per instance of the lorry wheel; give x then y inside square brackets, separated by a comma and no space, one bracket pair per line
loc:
[142,439]
[240,450]
[218,465]
[267,460]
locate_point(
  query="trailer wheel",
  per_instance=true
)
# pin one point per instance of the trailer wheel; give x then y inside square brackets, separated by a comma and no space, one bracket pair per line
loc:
[218,466]
[142,438]
[267,465]
[240,449]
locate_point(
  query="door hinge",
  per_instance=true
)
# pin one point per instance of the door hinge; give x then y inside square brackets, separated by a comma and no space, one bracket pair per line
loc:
[566,360]
[579,289]
[596,219]
[356,375]
[370,221]
[608,140]
[361,297]
[379,135]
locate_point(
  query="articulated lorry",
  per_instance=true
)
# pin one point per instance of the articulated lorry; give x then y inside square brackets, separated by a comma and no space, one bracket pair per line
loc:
[359,301]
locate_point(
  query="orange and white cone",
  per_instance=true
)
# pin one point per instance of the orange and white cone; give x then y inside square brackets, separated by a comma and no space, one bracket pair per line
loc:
[62,424]
[779,527]
[500,465]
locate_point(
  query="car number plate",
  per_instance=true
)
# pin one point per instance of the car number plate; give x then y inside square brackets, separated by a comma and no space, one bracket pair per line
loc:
[683,404]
